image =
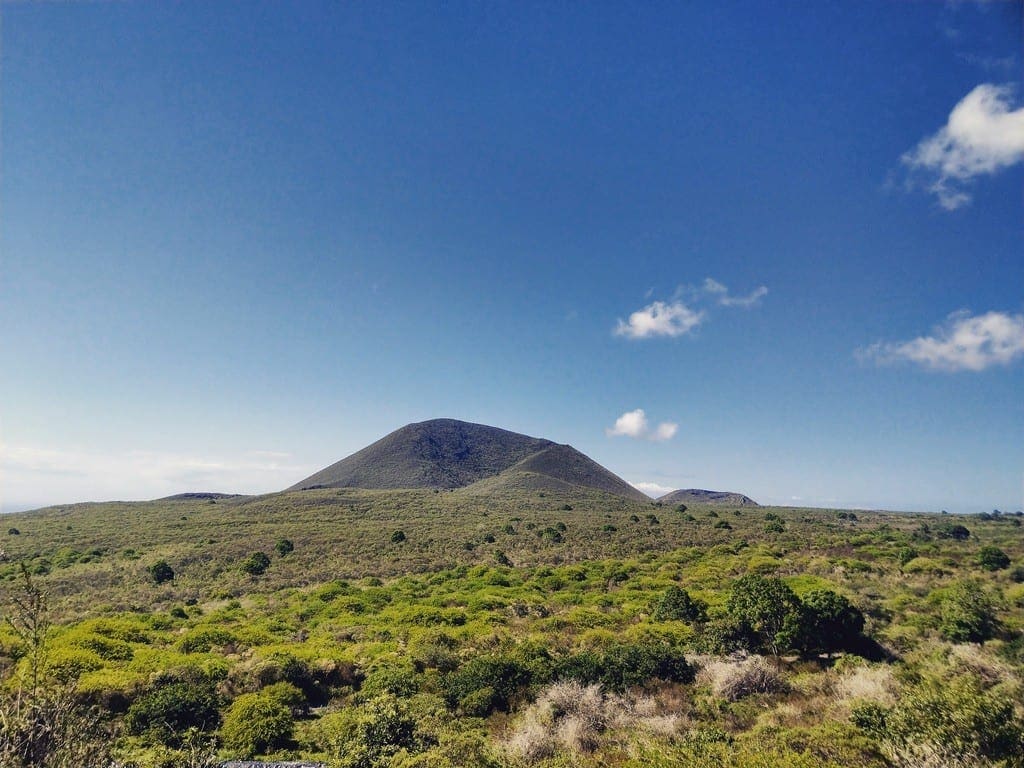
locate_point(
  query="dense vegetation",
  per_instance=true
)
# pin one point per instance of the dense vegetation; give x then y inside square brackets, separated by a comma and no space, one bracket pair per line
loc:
[518,629]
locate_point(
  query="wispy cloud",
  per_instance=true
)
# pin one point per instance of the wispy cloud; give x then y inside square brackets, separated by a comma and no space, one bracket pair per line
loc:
[721,293]
[660,319]
[685,313]
[634,424]
[36,475]
[982,136]
[963,343]
[652,489]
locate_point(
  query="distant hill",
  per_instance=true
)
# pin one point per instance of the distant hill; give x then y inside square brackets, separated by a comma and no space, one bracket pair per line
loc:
[449,454]
[199,496]
[700,496]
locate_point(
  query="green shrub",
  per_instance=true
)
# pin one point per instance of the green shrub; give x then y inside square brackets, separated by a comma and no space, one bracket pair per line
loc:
[766,613]
[959,720]
[504,675]
[677,605]
[284,547]
[369,736]
[968,614]
[952,531]
[398,537]
[256,723]
[993,558]
[170,710]
[160,572]
[256,563]
[831,623]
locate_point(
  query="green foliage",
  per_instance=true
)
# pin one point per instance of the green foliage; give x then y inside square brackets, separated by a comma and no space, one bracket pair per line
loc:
[952,531]
[160,572]
[677,605]
[831,623]
[398,537]
[959,720]
[992,558]
[256,563]
[370,735]
[968,614]
[766,613]
[165,713]
[906,554]
[503,676]
[256,723]
[284,547]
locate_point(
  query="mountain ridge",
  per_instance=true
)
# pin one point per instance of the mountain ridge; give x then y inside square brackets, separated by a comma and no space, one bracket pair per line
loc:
[448,454]
[701,496]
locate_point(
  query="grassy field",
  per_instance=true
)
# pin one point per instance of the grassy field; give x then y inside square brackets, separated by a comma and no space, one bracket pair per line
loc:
[414,628]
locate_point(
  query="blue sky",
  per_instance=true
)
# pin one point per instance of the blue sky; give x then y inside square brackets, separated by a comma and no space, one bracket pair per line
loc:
[240,241]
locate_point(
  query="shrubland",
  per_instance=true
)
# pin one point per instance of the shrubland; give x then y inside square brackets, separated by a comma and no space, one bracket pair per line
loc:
[527,629]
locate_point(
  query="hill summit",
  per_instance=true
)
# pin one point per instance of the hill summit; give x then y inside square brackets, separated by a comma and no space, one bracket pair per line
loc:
[449,454]
[700,496]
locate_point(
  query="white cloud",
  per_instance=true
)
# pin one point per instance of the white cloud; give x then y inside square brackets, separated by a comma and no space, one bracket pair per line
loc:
[715,288]
[964,343]
[750,300]
[652,489]
[33,476]
[634,424]
[982,136]
[660,319]
[679,317]
[664,431]
[629,424]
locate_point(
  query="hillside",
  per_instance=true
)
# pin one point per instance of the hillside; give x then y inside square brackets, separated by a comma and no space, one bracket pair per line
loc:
[700,496]
[338,605]
[448,454]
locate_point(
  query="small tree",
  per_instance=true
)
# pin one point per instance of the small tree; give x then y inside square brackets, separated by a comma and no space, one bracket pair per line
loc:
[677,605]
[256,563]
[284,547]
[993,558]
[160,572]
[398,537]
[831,623]
[766,612]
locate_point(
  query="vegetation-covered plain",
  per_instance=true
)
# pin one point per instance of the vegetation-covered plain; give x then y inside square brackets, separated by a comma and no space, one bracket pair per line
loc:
[418,628]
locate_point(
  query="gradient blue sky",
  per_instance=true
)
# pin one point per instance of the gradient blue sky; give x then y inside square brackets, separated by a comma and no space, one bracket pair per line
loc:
[242,240]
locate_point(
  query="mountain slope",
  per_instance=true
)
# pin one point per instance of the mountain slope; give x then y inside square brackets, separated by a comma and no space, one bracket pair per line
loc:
[557,467]
[448,454]
[700,496]
[441,453]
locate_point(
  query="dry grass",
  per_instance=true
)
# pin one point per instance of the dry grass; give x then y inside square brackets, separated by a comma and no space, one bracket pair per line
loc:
[571,718]
[733,680]
[867,683]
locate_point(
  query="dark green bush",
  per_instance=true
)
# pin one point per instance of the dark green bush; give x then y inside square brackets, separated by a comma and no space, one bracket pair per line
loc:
[952,531]
[766,615]
[168,711]
[160,572]
[504,675]
[993,558]
[677,605]
[284,547]
[256,563]
[398,537]
[831,623]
